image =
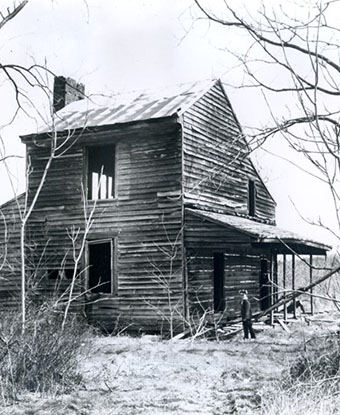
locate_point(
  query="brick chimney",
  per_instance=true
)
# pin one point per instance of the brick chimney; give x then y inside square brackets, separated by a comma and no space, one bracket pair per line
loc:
[65,91]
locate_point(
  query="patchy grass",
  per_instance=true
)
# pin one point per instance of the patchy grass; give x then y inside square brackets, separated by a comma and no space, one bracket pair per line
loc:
[147,375]
[299,400]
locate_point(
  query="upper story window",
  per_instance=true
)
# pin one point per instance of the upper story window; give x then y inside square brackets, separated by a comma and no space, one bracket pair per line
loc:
[101,172]
[251,197]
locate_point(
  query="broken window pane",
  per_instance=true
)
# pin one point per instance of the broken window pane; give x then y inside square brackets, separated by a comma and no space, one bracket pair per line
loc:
[101,172]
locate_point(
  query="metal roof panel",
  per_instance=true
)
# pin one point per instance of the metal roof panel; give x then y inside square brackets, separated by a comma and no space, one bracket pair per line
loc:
[127,107]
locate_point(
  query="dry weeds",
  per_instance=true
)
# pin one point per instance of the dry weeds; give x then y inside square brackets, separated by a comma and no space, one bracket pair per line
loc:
[125,375]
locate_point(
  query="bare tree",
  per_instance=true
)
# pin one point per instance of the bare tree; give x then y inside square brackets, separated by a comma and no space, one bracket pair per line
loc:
[22,80]
[299,43]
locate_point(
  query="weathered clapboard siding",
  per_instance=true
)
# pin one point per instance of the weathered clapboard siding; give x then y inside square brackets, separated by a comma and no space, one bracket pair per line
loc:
[182,153]
[241,272]
[10,277]
[145,218]
[203,239]
[200,281]
[216,162]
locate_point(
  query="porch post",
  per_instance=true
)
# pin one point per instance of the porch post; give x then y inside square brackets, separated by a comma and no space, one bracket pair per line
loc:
[275,268]
[293,285]
[311,281]
[284,286]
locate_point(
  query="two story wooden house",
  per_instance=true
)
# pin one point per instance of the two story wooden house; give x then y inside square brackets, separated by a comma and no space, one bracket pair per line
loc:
[156,194]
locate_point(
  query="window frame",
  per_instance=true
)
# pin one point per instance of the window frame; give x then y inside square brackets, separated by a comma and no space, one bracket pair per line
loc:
[113,261]
[86,172]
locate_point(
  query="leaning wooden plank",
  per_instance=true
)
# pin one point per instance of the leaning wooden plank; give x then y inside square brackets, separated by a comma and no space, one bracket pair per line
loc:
[233,326]
[230,334]
[202,332]
[181,335]
[291,320]
[283,325]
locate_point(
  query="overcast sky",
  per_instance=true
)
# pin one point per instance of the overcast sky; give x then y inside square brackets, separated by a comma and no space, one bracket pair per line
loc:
[134,44]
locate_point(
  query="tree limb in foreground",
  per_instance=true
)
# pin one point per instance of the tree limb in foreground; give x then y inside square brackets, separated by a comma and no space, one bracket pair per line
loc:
[11,14]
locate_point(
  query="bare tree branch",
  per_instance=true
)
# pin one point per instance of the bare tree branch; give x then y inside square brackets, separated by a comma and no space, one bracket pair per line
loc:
[303,51]
[12,13]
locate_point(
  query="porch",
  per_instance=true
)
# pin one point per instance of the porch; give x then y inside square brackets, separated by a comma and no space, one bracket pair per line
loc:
[246,254]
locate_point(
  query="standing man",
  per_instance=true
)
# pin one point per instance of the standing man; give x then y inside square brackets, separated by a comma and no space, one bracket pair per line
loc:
[246,316]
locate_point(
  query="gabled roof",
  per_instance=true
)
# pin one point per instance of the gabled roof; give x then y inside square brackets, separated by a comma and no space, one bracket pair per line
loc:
[128,107]
[264,234]
[15,201]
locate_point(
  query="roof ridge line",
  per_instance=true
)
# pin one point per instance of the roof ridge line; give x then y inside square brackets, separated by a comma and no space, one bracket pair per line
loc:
[211,83]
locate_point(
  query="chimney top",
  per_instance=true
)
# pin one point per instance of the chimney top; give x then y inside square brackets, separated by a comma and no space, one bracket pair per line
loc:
[65,91]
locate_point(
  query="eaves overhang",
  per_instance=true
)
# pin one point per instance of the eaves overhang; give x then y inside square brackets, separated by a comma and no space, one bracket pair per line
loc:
[265,236]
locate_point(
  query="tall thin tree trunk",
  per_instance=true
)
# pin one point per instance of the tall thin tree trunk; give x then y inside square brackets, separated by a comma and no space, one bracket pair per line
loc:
[23,275]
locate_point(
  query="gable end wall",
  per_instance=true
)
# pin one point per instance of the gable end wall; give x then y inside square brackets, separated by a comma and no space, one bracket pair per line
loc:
[216,162]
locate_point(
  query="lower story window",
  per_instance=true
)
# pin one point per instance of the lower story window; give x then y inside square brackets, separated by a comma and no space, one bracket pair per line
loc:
[101,264]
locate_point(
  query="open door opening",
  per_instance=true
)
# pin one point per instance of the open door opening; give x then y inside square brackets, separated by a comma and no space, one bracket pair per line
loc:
[219,301]
[264,286]
[100,266]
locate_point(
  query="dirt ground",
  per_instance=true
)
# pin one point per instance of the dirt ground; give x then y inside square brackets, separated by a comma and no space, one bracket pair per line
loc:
[146,375]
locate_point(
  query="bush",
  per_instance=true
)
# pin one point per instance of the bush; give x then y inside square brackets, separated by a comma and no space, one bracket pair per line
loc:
[43,358]
[311,383]
[320,364]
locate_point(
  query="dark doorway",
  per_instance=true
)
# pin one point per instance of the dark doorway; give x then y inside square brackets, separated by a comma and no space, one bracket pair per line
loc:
[264,285]
[100,267]
[219,301]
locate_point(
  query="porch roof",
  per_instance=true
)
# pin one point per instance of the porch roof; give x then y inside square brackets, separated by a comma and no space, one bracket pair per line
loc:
[264,235]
